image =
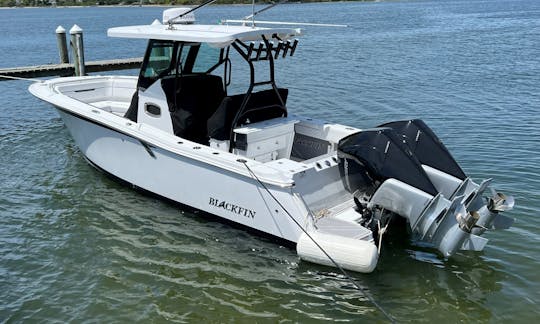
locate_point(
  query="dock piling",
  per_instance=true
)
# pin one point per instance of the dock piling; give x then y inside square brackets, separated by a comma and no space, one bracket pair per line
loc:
[77,49]
[62,44]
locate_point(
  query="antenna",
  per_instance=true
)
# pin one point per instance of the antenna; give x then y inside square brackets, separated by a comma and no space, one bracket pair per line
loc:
[207,2]
[254,13]
[265,22]
[251,17]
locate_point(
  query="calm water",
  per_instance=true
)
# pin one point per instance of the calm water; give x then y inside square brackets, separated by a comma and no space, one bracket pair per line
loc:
[75,246]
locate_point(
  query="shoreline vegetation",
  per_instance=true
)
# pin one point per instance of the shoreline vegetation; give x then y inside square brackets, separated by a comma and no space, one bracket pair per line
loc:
[85,3]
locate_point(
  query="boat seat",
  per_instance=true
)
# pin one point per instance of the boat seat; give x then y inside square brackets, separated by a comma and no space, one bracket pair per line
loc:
[195,99]
[262,105]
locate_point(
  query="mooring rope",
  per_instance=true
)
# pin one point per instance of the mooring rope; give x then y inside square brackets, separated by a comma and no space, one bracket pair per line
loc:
[347,276]
[381,231]
[3,76]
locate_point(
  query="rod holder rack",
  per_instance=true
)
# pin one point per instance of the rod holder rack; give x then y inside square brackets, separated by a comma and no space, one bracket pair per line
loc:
[259,51]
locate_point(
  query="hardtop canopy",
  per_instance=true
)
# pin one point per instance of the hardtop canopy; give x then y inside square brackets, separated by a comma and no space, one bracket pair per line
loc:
[214,35]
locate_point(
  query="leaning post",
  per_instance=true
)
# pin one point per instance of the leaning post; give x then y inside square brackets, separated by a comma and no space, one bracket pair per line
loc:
[77,49]
[62,44]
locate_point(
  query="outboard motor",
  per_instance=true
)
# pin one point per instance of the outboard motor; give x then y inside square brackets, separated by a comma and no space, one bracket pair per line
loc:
[450,179]
[404,169]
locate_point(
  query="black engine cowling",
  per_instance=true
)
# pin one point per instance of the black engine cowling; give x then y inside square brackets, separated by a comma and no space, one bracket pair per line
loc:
[426,146]
[369,157]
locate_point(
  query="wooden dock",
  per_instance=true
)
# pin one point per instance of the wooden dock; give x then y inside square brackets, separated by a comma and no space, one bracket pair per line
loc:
[68,69]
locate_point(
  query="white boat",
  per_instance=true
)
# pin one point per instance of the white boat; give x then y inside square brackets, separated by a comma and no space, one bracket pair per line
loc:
[177,131]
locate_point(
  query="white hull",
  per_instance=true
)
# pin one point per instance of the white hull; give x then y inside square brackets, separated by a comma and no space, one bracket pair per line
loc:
[192,174]
[186,180]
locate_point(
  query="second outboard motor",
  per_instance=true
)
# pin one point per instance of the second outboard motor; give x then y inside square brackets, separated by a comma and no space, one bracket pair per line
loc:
[449,178]
[426,146]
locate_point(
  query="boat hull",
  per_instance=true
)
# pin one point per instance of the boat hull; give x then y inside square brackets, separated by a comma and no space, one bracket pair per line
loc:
[187,181]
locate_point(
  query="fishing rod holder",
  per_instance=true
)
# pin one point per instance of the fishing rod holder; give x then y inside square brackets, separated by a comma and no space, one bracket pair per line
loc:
[261,51]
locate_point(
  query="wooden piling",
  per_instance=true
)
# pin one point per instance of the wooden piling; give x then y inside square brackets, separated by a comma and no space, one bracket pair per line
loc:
[77,49]
[62,44]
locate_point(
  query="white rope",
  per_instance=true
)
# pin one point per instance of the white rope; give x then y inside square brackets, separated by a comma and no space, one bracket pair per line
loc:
[381,232]
[3,76]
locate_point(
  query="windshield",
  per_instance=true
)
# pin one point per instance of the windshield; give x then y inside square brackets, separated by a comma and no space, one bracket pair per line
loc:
[168,58]
[159,60]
